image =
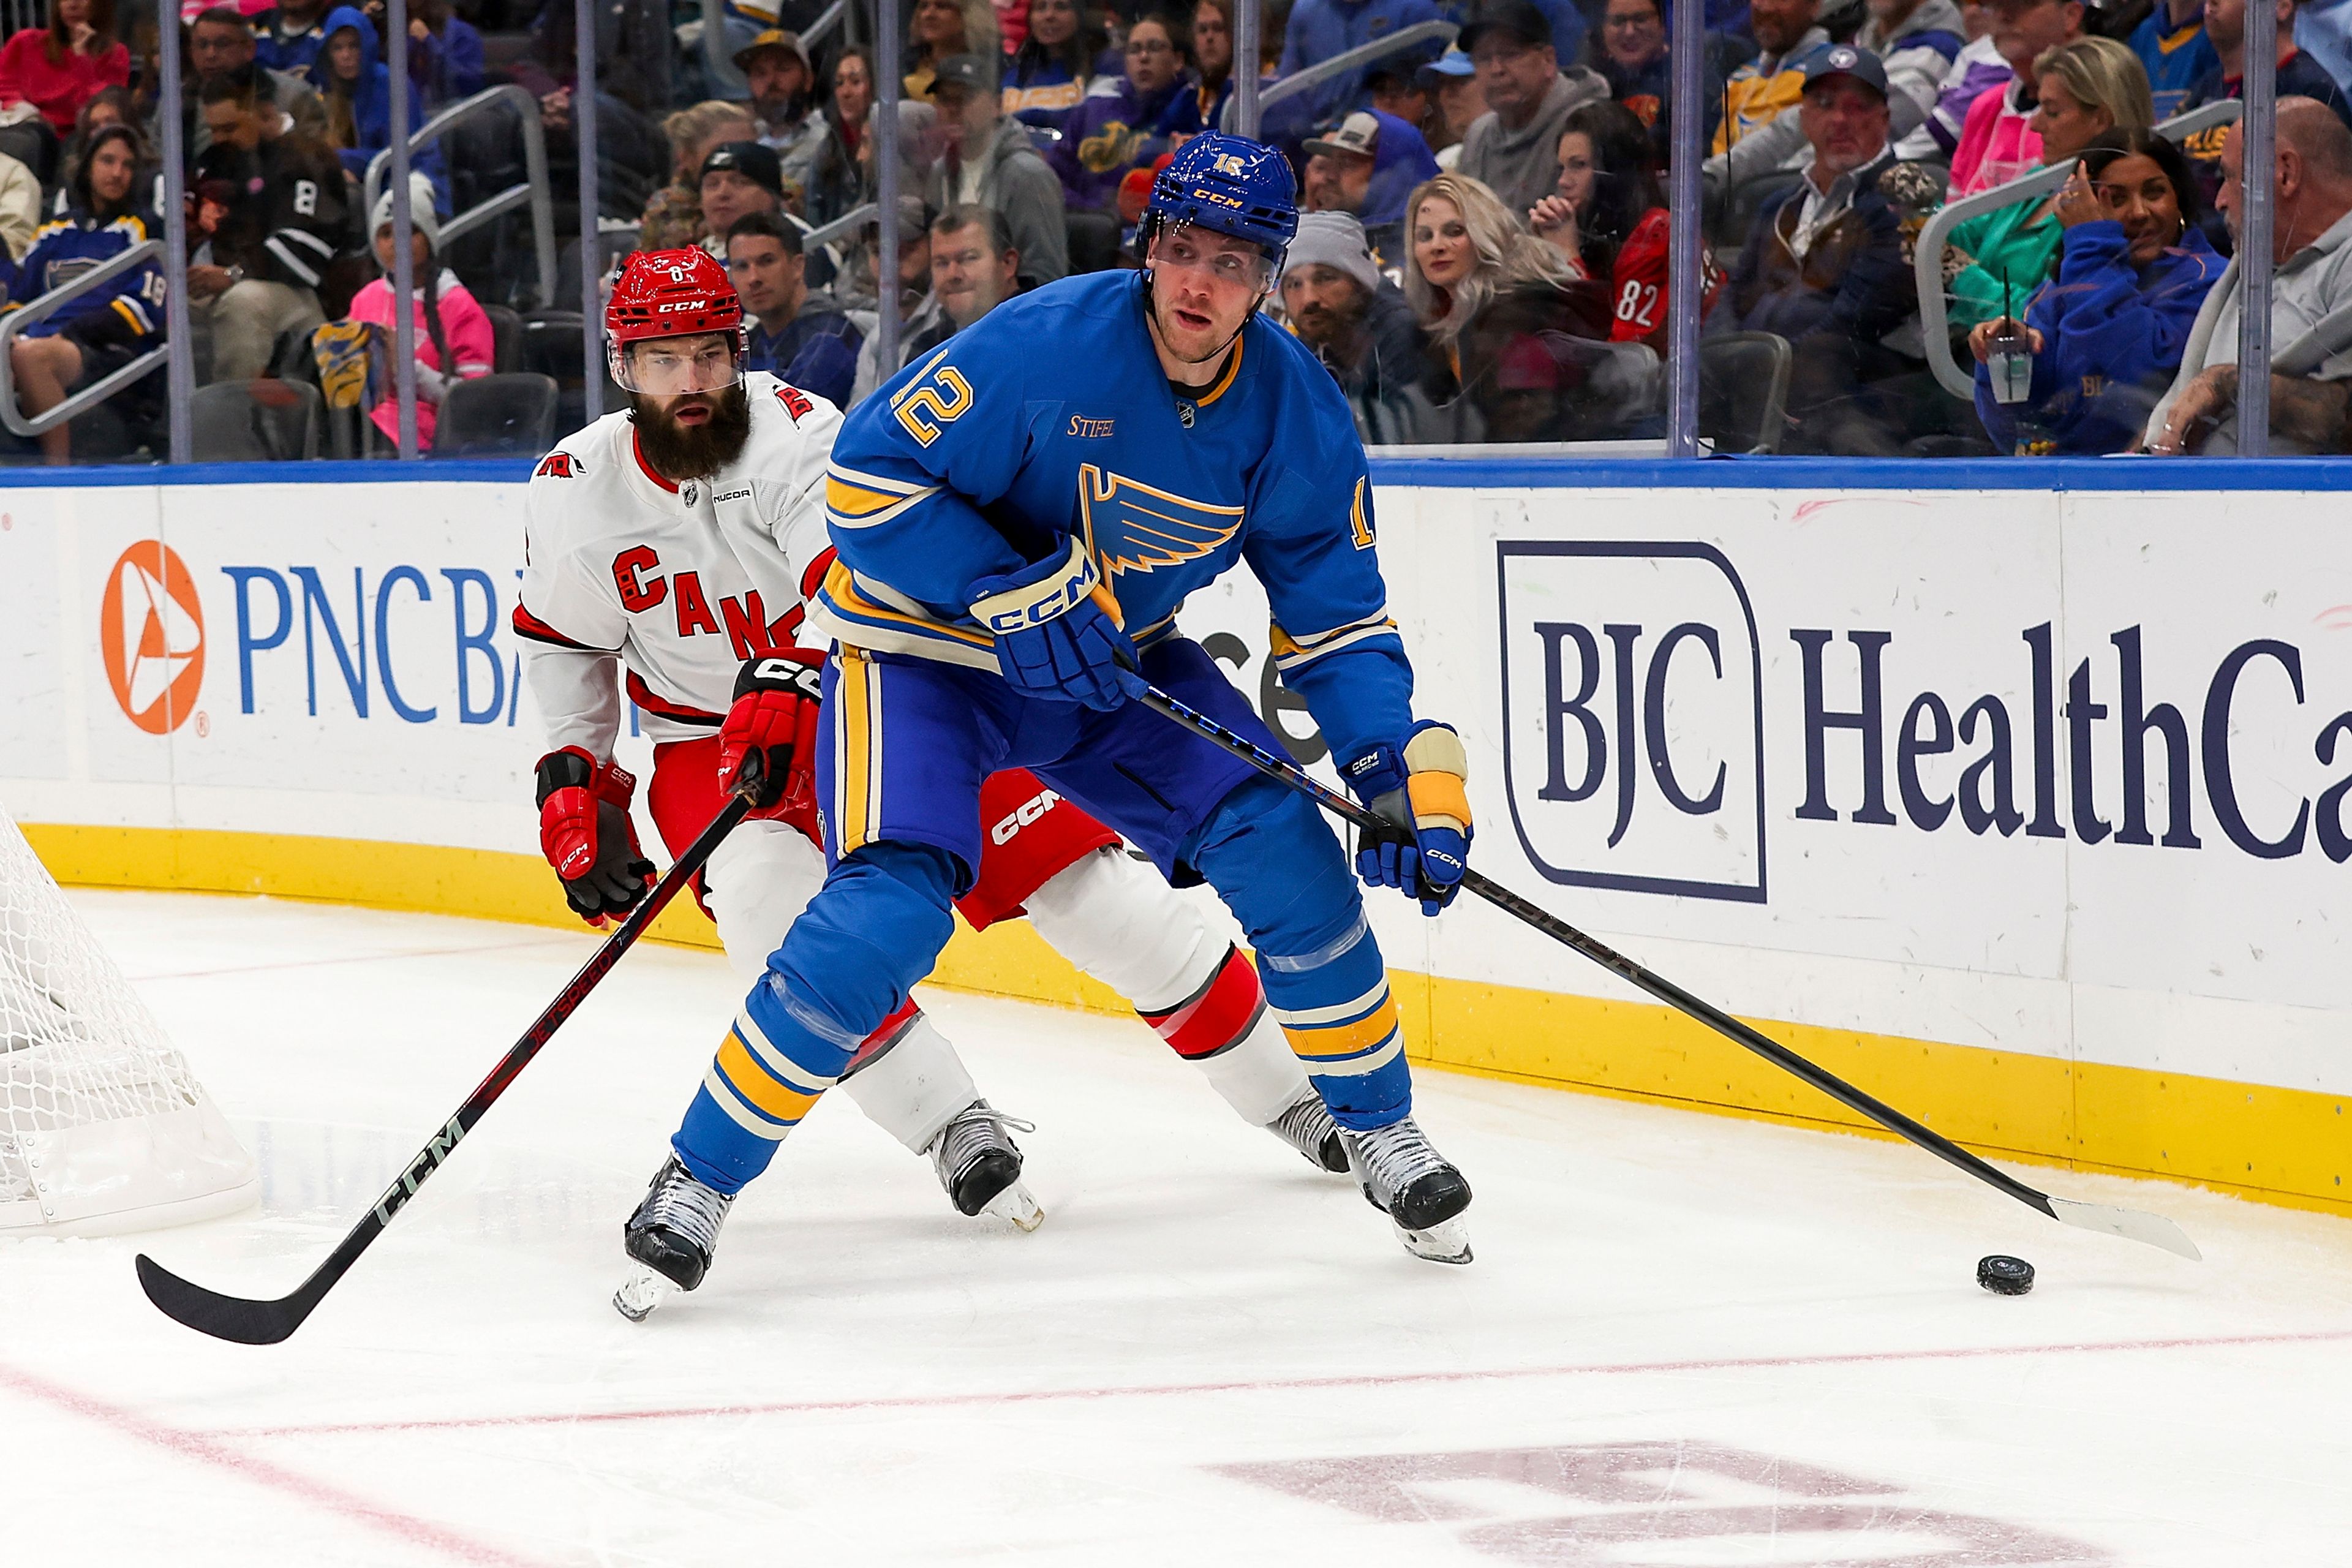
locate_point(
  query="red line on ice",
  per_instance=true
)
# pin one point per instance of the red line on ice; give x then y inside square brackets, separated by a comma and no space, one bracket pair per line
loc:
[209,1448]
[1281,1385]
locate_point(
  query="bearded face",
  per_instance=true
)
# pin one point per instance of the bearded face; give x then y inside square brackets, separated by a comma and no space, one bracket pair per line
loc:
[692,435]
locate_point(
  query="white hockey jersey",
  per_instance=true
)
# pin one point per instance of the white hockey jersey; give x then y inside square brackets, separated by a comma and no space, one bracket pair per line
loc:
[668,588]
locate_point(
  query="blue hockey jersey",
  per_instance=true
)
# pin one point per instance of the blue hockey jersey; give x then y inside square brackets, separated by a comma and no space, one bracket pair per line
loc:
[1051,417]
[127,309]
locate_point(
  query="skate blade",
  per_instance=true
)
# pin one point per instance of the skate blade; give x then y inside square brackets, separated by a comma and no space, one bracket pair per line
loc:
[1015,1203]
[1448,1241]
[640,1293]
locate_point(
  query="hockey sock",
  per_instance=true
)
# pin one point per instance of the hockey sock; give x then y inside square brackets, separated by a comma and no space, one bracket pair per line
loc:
[873,931]
[1116,919]
[909,1079]
[1281,872]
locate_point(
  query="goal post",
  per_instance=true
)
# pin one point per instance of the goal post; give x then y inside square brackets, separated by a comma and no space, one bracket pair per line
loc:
[102,1126]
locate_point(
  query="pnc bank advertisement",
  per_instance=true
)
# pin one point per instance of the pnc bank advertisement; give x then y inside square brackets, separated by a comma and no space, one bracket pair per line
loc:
[2062,773]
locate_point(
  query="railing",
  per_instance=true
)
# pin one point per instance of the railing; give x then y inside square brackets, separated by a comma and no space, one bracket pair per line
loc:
[1321,71]
[842,227]
[40,309]
[533,189]
[1935,313]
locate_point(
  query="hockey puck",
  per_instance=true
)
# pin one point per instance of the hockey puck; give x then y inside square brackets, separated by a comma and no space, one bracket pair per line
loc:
[2005,1276]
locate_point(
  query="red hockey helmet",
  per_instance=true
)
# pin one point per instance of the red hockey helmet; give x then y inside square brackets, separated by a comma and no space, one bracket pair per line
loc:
[673,294]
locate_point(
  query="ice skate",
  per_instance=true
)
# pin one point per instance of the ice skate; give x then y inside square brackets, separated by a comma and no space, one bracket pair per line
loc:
[1404,1177]
[671,1237]
[1307,1126]
[980,1165]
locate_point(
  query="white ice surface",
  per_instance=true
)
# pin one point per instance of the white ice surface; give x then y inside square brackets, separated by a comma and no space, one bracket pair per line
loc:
[1687,1341]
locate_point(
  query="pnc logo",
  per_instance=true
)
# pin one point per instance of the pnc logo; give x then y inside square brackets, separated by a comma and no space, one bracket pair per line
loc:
[151,631]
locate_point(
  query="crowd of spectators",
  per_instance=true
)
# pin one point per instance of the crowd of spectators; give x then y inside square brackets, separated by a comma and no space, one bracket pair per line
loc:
[1485,250]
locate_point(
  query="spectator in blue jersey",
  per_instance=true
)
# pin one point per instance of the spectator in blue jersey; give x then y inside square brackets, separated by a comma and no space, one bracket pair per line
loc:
[1050,72]
[1367,168]
[2170,42]
[794,333]
[1213,62]
[1128,122]
[288,37]
[1318,30]
[2109,331]
[2299,76]
[102,330]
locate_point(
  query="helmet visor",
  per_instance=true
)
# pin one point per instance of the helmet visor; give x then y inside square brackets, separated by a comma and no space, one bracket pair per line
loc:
[669,367]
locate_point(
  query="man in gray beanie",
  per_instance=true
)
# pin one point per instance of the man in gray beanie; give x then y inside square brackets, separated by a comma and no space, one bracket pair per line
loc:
[1354,318]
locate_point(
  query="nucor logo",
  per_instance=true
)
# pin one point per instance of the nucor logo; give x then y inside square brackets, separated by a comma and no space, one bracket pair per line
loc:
[152,637]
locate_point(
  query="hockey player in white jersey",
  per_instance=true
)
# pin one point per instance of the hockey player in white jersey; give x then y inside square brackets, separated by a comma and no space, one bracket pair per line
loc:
[669,551]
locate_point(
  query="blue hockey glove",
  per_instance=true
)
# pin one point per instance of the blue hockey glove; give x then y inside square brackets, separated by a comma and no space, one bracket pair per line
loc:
[1054,637]
[1420,789]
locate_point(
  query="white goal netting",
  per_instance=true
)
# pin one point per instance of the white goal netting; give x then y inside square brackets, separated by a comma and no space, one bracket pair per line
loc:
[102,1126]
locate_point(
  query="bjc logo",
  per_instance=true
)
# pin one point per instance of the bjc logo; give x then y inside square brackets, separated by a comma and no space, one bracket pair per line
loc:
[152,635]
[1633,732]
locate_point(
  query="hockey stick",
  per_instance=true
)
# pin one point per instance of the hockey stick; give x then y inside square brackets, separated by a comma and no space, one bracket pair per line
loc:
[2131,1224]
[268,1322]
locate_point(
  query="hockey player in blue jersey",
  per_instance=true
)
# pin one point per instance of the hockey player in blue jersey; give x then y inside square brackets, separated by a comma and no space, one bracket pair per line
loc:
[1018,517]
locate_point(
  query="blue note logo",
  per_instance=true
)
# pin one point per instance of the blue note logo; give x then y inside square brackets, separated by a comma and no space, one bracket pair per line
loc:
[1634,717]
[1133,527]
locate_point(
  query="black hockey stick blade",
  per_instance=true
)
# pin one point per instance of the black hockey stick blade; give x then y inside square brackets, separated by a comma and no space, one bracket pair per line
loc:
[267,1322]
[2133,1225]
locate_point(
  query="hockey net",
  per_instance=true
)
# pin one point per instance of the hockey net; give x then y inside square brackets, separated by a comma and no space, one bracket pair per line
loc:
[102,1126]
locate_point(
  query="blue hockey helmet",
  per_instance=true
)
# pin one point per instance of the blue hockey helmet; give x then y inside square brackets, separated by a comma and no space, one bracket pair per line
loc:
[1230,185]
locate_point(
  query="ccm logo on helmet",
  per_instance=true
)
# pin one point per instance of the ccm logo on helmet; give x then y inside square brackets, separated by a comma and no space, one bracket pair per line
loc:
[1022,815]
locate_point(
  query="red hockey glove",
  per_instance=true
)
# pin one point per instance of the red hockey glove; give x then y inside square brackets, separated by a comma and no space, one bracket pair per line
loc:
[767,747]
[585,833]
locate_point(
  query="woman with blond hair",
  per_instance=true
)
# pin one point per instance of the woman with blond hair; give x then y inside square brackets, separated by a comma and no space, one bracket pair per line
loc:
[1486,291]
[2092,91]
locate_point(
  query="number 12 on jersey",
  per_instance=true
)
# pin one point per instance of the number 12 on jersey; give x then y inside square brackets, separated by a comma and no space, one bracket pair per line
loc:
[938,397]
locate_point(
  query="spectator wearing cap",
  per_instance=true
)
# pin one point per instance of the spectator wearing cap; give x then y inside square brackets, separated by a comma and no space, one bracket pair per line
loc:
[1824,266]
[1453,84]
[1916,40]
[1318,30]
[1762,90]
[454,342]
[2311,289]
[2108,333]
[1367,168]
[289,217]
[1998,142]
[2299,76]
[1357,322]
[2089,91]
[737,179]
[1128,122]
[776,69]
[796,332]
[1512,149]
[990,162]
[918,309]
[1609,216]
